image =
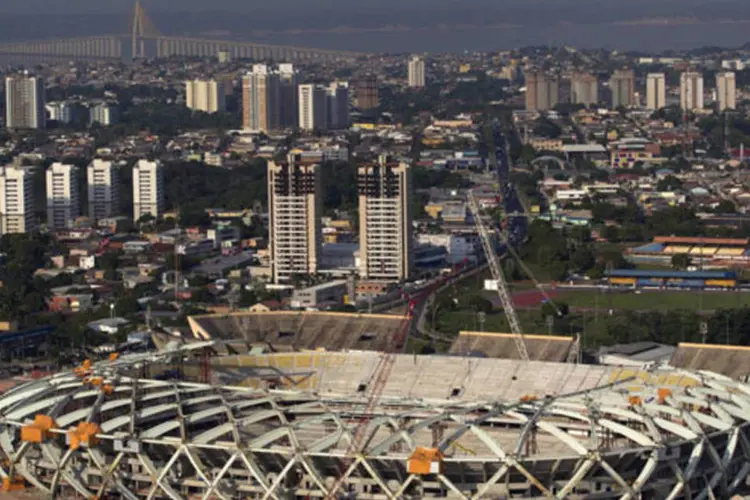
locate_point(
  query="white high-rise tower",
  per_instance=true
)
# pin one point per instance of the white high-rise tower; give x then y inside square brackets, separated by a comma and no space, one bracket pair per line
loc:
[62,196]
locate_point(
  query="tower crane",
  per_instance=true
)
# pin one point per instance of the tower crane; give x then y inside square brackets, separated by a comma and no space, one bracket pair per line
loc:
[499,277]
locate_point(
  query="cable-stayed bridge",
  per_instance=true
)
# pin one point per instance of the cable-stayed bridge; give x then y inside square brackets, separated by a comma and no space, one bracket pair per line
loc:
[144,40]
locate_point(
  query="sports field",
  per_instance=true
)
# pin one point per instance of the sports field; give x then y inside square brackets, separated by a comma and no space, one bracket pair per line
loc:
[653,300]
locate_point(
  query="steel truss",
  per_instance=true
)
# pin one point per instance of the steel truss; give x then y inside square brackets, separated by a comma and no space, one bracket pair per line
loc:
[162,439]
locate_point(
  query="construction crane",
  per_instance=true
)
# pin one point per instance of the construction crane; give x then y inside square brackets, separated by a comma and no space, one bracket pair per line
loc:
[497,274]
[380,377]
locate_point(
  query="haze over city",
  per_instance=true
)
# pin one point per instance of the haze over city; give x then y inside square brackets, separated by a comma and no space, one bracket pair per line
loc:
[412,25]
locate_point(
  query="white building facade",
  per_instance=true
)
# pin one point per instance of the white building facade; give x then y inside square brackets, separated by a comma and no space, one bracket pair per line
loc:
[16,201]
[656,91]
[148,189]
[63,202]
[205,95]
[103,189]
[25,102]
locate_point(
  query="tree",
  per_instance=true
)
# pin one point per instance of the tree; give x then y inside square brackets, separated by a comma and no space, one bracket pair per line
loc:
[681,261]
[669,183]
[725,207]
[247,298]
[480,304]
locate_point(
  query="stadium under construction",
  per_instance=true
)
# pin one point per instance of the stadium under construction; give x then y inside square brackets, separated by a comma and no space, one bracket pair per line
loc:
[240,417]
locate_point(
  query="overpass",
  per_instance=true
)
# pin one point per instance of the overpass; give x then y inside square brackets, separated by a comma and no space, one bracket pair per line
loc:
[145,41]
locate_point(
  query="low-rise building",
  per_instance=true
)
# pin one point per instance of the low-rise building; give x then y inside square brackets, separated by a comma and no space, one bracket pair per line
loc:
[334,292]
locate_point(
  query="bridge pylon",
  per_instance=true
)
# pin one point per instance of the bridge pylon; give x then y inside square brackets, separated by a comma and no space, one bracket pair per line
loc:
[140,28]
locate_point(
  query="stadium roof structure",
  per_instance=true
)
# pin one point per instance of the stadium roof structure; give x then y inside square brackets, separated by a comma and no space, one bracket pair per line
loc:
[639,434]
[730,360]
[301,329]
[503,345]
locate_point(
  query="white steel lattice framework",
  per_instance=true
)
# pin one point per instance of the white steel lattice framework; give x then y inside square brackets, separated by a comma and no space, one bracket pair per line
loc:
[162,439]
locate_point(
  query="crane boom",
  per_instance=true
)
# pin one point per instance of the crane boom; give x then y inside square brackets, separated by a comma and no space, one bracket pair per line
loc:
[379,378]
[499,277]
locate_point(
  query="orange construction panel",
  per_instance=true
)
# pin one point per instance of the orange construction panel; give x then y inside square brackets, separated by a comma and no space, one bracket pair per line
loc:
[425,461]
[39,430]
[663,394]
[84,434]
[17,484]
[32,434]
[44,422]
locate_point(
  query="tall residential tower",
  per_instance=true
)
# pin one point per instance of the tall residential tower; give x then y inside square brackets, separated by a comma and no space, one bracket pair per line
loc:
[148,189]
[584,89]
[24,102]
[313,109]
[261,106]
[656,91]
[16,200]
[103,189]
[726,90]
[205,95]
[691,91]
[63,202]
[294,205]
[622,86]
[542,91]
[288,97]
[416,72]
[385,231]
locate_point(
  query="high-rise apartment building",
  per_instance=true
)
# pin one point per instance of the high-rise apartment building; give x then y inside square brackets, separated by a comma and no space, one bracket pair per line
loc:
[367,93]
[103,189]
[16,200]
[63,202]
[103,113]
[337,96]
[656,91]
[289,97]
[622,87]
[295,209]
[59,111]
[205,95]
[416,72]
[726,91]
[542,91]
[584,89]
[385,225]
[260,99]
[24,102]
[148,189]
[691,91]
[313,112]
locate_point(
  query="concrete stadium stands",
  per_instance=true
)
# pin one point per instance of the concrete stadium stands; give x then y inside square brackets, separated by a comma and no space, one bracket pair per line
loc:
[730,360]
[430,378]
[301,330]
[502,345]
[676,249]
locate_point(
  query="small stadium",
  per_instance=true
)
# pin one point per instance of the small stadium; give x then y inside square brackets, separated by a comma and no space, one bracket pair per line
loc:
[717,252]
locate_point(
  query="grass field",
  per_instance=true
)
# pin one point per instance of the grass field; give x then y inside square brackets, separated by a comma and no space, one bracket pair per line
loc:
[656,300]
